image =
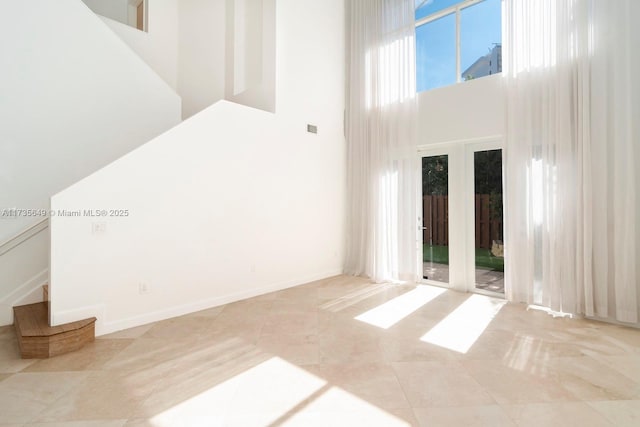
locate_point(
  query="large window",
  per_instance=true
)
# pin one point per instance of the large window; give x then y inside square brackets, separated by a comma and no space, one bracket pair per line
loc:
[457,41]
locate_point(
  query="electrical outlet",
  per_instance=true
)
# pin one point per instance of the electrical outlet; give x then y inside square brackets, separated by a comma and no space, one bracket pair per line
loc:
[143,288]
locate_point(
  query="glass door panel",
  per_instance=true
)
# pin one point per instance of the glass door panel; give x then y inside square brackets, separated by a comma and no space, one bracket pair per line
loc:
[489,247]
[435,218]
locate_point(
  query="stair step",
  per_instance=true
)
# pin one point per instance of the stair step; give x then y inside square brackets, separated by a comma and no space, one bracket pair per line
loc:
[38,340]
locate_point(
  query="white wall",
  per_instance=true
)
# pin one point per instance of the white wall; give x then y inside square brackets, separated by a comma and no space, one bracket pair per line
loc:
[201,60]
[250,53]
[462,112]
[69,105]
[191,45]
[635,65]
[158,46]
[23,270]
[232,203]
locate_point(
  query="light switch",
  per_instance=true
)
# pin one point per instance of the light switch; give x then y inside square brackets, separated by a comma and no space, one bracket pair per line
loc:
[98,227]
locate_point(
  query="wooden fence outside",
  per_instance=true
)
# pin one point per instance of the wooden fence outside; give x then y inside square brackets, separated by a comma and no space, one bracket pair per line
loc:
[436,220]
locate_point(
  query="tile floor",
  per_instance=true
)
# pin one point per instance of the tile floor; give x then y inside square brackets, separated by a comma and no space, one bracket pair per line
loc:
[337,352]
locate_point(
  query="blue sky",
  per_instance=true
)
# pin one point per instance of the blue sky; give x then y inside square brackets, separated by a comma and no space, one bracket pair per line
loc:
[480,29]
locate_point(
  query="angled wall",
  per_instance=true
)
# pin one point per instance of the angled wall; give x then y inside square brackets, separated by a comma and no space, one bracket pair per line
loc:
[201,54]
[232,203]
[70,104]
[209,50]
[158,46]
[73,98]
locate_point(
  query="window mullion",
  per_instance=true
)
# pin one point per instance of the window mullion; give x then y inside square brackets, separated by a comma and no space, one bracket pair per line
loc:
[448,11]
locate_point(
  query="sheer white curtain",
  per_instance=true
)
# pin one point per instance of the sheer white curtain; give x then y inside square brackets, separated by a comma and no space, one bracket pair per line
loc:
[381,140]
[571,154]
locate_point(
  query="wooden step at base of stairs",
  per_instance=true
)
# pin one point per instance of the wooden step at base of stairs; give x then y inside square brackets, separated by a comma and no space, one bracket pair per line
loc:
[38,340]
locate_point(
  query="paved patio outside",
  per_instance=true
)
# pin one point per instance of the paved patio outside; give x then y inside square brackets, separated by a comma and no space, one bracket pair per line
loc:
[489,280]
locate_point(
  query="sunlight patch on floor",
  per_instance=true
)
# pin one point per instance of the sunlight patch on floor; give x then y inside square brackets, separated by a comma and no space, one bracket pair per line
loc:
[528,354]
[462,327]
[391,312]
[272,387]
[275,393]
[339,407]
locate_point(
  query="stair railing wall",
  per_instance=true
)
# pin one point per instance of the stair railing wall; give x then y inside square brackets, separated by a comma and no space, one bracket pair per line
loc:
[23,236]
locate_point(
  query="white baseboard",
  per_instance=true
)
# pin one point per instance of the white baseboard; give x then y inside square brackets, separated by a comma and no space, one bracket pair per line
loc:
[103,326]
[61,317]
[613,321]
[28,293]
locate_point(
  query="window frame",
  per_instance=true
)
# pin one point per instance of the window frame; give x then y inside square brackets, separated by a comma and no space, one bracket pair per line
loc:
[456,8]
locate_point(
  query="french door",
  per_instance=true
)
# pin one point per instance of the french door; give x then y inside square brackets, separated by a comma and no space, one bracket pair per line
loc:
[461,216]
[485,217]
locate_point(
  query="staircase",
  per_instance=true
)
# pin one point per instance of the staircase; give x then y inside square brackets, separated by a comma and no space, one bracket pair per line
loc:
[133,104]
[38,340]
